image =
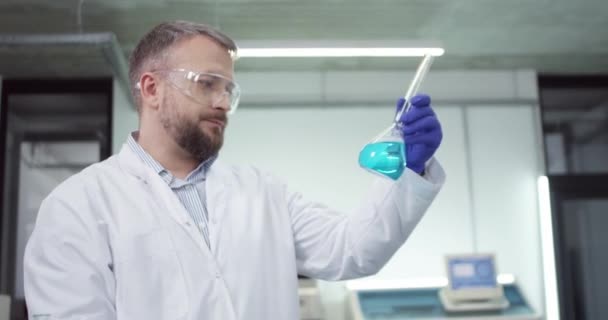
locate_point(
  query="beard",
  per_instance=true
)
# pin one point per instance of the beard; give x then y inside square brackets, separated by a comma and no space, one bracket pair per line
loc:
[189,135]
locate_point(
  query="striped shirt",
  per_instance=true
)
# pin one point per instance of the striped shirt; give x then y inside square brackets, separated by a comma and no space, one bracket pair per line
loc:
[190,192]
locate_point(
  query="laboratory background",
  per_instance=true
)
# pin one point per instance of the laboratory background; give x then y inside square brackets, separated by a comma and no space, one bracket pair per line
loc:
[521,90]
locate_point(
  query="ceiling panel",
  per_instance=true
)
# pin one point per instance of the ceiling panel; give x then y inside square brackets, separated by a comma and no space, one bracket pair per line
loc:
[549,35]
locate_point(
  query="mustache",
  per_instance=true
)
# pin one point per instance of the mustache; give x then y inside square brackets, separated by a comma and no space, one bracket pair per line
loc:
[218,117]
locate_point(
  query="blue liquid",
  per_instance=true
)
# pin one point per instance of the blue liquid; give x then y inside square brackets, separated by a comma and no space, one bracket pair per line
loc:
[386,158]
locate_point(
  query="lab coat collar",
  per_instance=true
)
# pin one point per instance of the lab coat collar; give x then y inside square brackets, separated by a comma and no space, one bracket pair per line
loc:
[217,189]
[218,181]
[133,164]
[199,173]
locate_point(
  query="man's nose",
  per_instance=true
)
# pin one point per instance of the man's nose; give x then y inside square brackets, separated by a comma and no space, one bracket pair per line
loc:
[222,101]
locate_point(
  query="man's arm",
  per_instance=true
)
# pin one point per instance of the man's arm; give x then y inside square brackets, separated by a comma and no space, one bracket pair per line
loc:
[334,246]
[68,264]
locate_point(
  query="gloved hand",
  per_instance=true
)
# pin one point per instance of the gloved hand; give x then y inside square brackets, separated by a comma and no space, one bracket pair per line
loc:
[421,132]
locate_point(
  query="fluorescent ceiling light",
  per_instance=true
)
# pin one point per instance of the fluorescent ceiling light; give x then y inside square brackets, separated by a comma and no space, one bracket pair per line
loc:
[336,52]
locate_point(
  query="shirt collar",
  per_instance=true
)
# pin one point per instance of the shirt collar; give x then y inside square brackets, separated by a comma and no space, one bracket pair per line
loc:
[197,175]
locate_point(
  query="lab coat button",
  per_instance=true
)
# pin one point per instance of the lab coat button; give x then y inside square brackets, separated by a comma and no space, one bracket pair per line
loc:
[217,276]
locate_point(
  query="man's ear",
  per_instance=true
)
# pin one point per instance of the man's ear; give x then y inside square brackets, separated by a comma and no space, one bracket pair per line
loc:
[150,90]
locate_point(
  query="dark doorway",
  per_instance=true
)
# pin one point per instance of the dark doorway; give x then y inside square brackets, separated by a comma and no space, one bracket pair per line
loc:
[50,129]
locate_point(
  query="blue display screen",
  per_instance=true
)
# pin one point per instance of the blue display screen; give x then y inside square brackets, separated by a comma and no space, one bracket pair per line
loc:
[472,273]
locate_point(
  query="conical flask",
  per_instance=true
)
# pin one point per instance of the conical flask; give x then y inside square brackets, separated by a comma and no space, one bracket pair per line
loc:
[386,154]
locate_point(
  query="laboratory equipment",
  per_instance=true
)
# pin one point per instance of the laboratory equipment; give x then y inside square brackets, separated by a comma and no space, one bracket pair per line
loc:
[386,154]
[472,284]
[418,299]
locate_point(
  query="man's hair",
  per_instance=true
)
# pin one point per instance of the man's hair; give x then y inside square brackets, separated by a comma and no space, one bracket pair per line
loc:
[150,52]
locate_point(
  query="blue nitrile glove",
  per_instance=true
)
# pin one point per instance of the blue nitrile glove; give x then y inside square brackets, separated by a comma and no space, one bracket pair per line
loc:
[421,132]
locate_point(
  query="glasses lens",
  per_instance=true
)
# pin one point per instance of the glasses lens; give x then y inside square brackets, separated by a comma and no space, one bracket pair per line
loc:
[206,88]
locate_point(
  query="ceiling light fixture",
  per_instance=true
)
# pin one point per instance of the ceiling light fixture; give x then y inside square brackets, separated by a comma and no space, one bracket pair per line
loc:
[337,48]
[337,52]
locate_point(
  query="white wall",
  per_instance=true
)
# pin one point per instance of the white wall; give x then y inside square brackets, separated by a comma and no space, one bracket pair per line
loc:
[308,128]
[504,166]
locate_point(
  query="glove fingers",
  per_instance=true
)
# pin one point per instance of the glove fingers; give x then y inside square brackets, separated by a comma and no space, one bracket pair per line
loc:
[416,113]
[421,139]
[418,101]
[421,101]
[421,125]
[430,138]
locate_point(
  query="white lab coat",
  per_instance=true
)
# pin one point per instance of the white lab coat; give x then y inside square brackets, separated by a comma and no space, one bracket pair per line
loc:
[114,242]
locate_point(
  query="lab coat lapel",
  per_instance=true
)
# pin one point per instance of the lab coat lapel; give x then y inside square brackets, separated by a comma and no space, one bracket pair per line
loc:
[217,186]
[162,194]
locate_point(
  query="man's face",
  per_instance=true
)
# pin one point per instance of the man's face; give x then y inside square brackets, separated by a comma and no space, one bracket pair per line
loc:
[197,127]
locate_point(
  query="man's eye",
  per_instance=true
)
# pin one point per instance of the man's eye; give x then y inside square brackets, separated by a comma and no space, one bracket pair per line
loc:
[207,84]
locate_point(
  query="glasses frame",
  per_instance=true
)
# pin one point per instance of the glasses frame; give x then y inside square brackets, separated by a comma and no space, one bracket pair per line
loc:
[194,76]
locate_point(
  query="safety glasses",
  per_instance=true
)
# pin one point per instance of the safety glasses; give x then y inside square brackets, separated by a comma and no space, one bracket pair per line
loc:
[205,88]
